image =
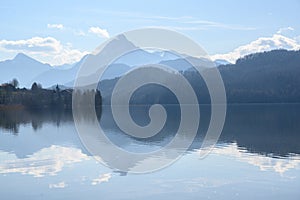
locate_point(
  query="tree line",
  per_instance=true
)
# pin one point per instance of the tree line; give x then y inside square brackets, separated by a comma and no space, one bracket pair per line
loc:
[39,98]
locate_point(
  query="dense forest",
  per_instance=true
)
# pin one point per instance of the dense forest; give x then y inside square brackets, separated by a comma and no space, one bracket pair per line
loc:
[271,77]
[37,98]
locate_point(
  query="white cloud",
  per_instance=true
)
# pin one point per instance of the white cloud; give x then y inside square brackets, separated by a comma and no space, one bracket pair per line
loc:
[58,185]
[99,32]
[277,41]
[57,26]
[48,161]
[35,44]
[46,49]
[102,178]
[284,29]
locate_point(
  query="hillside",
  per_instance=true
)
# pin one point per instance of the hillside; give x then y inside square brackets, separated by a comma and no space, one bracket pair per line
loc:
[269,77]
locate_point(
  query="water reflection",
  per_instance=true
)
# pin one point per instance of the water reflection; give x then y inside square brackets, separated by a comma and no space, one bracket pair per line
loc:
[264,163]
[10,120]
[257,156]
[271,130]
[45,162]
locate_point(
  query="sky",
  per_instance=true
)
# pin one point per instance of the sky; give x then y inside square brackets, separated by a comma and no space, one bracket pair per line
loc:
[59,32]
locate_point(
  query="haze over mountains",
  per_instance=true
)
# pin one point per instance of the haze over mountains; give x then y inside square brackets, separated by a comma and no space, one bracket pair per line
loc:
[23,68]
[261,77]
[27,70]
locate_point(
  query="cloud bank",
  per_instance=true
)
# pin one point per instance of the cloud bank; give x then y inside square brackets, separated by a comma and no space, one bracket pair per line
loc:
[261,44]
[46,49]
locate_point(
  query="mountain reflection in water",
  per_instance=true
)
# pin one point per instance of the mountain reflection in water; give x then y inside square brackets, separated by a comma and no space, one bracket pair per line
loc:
[41,155]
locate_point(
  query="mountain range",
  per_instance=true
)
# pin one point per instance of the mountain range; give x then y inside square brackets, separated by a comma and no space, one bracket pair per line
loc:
[27,70]
[271,77]
[22,67]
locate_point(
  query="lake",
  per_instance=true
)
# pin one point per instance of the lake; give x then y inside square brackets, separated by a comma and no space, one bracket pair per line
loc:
[256,157]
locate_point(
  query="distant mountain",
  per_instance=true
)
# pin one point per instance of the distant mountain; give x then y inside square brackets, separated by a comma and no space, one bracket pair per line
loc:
[183,64]
[115,70]
[58,75]
[23,68]
[66,74]
[27,70]
[144,57]
[219,62]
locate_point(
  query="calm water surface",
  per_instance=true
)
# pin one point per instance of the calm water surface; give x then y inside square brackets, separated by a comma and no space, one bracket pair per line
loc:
[257,157]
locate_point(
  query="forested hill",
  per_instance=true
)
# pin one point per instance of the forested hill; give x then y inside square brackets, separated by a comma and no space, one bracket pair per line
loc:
[269,77]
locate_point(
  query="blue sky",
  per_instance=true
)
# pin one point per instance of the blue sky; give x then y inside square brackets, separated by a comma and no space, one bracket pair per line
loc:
[62,31]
